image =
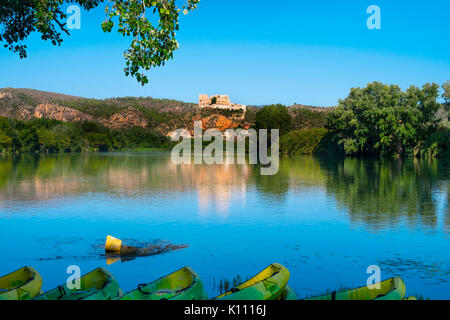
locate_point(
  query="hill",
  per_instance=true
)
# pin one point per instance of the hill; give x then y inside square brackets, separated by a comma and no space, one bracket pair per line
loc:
[160,115]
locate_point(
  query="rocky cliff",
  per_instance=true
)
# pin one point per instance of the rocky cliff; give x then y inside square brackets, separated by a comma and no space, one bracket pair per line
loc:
[52,111]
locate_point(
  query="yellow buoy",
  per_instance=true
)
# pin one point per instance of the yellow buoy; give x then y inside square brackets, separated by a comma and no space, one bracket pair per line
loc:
[113,244]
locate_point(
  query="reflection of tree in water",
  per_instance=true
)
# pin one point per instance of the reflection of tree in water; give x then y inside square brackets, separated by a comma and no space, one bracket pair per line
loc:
[273,187]
[383,192]
[447,210]
[377,192]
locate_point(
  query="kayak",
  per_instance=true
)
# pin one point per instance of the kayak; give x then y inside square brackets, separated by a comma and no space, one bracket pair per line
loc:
[391,289]
[288,294]
[269,284]
[411,298]
[22,284]
[183,284]
[98,284]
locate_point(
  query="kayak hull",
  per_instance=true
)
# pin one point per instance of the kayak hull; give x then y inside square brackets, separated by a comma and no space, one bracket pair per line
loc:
[98,284]
[269,284]
[288,294]
[183,284]
[22,284]
[390,289]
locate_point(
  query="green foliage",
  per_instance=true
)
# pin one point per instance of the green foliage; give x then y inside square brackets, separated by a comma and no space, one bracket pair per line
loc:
[27,99]
[5,142]
[250,114]
[206,112]
[47,141]
[302,141]
[152,24]
[437,145]
[214,100]
[156,118]
[11,142]
[52,136]
[18,19]
[29,139]
[96,108]
[446,97]
[152,44]
[383,119]
[307,119]
[274,117]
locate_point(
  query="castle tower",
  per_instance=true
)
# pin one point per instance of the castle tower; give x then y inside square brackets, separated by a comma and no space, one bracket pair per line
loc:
[204,100]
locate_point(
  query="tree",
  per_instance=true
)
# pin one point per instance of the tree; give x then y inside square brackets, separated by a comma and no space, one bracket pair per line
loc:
[5,142]
[446,96]
[29,139]
[13,142]
[47,140]
[274,117]
[152,44]
[384,119]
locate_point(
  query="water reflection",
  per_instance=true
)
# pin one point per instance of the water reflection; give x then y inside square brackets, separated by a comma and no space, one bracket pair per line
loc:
[376,193]
[380,193]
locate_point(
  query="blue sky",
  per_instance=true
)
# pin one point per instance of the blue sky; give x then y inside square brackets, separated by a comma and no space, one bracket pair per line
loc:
[257,51]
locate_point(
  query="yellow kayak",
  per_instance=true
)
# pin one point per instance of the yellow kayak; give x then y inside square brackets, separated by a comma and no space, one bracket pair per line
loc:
[390,289]
[269,284]
[22,284]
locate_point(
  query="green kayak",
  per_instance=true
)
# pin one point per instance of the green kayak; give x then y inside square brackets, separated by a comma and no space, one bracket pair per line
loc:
[288,294]
[269,284]
[183,284]
[390,289]
[98,284]
[22,284]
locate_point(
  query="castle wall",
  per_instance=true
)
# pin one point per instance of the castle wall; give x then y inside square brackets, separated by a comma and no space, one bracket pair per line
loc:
[222,102]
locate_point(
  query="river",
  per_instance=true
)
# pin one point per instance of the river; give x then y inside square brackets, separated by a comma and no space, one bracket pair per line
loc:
[326,219]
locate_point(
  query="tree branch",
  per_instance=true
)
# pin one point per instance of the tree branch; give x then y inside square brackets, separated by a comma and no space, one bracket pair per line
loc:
[60,24]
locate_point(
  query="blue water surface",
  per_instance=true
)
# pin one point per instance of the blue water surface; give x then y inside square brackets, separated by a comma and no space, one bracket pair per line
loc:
[326,220]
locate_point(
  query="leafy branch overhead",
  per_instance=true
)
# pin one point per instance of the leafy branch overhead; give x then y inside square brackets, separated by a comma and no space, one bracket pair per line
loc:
[152,24]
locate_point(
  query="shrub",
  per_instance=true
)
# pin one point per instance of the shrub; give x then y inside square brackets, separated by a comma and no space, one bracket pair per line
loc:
[302,141]
[274,117]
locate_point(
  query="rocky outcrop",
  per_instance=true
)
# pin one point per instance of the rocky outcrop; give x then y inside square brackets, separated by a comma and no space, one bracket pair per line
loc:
[131,117]
[126,118]
[51,111]
[215,121]
[5,95]
[219,122]
[11,107]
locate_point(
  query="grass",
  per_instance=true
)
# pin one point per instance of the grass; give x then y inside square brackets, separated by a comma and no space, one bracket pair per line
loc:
[224,285]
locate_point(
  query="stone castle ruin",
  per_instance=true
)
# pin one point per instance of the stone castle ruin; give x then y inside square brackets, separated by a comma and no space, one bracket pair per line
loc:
[219,102]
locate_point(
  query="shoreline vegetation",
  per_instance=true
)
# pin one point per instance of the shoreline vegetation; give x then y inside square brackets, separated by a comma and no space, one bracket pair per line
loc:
[377,120]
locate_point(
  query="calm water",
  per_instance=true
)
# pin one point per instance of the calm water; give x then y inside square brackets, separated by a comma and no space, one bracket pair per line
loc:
[327,220]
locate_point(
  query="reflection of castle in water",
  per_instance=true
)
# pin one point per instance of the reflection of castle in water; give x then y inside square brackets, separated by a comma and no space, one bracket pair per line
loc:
[217,185]
[217,192]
